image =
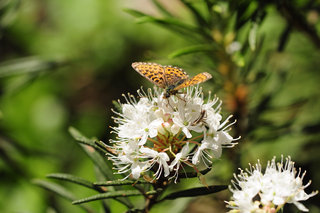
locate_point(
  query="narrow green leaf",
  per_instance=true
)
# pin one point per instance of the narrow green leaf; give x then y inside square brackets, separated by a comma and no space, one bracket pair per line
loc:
[192,49]
[107,195]
[27,65]
[134,13]
[194,174]
[120,182]
[169,23]
[197,15]
[250,63]
[195,192]
[84,140]
[80,181]
[117,105]
[100,162]
[102,147]
[19,84]
[79,137]
[72,178]
[59,190]
[161,8]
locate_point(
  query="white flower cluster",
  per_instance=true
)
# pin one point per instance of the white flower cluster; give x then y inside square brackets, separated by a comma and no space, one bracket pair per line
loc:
[161,135]
[255,192]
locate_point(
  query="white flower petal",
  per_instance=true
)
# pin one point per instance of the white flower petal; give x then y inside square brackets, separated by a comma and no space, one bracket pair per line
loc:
[175,129]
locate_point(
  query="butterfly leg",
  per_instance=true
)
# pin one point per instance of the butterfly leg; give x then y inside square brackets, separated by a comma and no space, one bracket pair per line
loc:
[182,98]
[168,104]
[201,117]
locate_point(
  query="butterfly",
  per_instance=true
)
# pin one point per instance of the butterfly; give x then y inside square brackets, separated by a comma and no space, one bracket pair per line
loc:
[170,78]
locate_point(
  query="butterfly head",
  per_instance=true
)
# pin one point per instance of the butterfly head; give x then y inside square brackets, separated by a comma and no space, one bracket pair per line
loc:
[170,90]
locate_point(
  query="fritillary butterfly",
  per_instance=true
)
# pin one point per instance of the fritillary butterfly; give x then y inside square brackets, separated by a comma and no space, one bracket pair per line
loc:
[172,79]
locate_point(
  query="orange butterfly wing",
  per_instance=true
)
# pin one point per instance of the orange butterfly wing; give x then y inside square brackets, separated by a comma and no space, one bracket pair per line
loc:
[151,71]
[200,78]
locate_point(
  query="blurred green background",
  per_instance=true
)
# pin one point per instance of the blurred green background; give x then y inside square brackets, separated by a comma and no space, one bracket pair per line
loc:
[62,63]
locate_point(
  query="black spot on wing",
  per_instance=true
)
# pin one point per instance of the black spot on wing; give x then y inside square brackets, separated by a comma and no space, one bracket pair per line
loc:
[151,71]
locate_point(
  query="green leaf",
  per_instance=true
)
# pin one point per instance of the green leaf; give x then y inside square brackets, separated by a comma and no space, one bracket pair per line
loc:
[194,174]
[27,65]
[81,138]
[59,190]
[195,192]
[72,178]
[172,24]
[100,162]
[197,15]
[120,182]
[167,22]
[134,13]
[192,49]
[161,8]
[84,140]
[107,195]
[117,105]
[19,84]
[102,147]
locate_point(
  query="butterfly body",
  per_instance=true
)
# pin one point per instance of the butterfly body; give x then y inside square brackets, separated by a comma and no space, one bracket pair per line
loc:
[169,78]
[170,89]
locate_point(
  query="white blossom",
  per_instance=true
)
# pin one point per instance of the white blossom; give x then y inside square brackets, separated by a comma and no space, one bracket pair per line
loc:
[255,191]
[159,136]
